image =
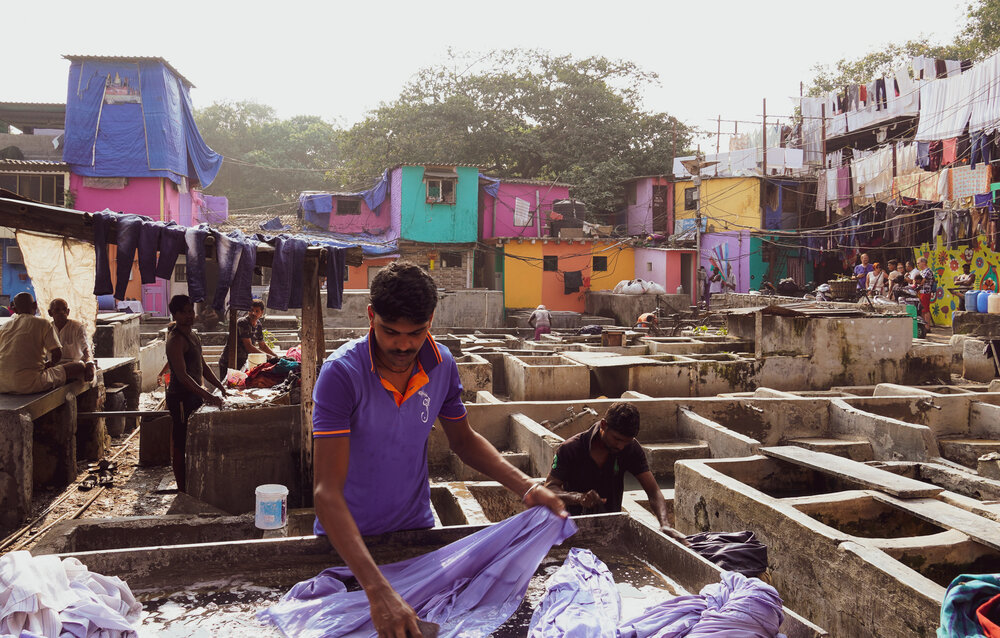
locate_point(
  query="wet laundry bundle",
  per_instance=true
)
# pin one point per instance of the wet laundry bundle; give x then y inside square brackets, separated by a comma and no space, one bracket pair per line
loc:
[49,598]
[470,587]
[582,601]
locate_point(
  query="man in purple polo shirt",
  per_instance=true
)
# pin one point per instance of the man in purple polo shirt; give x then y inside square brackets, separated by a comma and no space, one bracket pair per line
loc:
[376,399]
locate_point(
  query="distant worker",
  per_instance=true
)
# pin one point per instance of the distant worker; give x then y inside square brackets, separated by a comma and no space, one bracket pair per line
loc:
[824,293]
[541,321]
[588,469]
[648,320]
[72,334]
[861,272]
[249,338]
[188,370]
[25,341]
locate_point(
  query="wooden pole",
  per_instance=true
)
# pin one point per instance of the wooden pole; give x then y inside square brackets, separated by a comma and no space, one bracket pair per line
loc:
[718,138]
[313,348]
[765,138]
[822,132]
[232,340]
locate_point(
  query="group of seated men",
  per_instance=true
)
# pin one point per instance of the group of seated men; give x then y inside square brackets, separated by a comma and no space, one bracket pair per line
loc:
[36,355]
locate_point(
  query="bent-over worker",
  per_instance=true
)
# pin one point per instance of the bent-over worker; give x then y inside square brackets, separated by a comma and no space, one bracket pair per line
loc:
[376,399]
[541,321]
[588,469]
[25,341]
[72,334]
[188,370]
[249,338]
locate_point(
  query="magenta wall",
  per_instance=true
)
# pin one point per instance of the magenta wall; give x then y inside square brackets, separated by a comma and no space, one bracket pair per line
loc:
[140,197]
[366,222]
[504,204]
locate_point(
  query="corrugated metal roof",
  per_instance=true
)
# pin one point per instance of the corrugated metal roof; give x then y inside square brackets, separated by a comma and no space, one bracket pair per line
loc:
[128,58]
[34,165]
[532,182]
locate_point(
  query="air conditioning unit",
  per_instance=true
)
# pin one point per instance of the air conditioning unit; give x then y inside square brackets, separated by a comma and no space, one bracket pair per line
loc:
[14,255]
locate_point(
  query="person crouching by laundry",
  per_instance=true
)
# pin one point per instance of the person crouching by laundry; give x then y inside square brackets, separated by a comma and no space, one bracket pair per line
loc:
[188,371]
[25,341]
[72,334]
[249,338]
[541,321]
[588,469]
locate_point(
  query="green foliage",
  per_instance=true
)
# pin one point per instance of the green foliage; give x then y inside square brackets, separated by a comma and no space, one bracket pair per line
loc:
[979,37]
[523,113]
[268,161]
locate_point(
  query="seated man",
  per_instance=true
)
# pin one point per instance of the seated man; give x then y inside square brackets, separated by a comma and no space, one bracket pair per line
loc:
[24,342]
[588,471]
[71,333]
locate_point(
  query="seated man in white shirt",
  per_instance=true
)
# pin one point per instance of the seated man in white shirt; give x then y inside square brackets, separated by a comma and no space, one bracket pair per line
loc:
[72,335]
[25,341]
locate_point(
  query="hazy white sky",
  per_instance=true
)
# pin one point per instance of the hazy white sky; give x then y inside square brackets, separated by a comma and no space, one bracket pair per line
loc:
[338,60]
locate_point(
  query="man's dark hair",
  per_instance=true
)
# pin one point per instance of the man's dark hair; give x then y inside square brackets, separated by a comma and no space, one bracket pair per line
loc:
[403,290]
[177,303]
[257,303]
[623,418]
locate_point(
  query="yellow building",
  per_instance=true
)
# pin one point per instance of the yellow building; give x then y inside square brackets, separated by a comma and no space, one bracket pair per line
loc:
[727,203]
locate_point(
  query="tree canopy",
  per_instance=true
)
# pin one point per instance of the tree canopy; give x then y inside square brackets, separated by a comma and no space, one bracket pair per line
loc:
[269,161]
[979,37]
[525,114]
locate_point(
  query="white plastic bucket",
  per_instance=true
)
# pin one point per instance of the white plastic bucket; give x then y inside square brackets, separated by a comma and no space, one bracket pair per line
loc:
[255,359]
[272,506]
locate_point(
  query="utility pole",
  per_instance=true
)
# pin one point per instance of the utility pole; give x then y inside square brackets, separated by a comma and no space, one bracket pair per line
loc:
[694,167]
[765,138]
[718,138]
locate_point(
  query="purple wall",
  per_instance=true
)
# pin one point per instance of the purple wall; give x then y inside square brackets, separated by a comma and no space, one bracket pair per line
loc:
[639,216]
[503,204]
[730,251]
[646,258]
[366,222]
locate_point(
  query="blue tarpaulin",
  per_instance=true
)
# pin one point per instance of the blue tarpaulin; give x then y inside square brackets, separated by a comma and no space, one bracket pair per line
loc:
[314,205]
[133,119]
[492,185]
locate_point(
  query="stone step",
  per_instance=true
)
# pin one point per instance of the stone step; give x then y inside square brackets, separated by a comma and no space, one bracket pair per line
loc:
[661,454]
[856,450]
[463,472]
[967,451]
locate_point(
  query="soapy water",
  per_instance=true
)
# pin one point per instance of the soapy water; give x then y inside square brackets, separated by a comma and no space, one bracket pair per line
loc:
[228,608]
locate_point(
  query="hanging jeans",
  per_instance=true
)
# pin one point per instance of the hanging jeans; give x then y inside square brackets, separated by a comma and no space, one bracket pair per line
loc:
[924,155]
[962,225]
[102,280]
[336,268]
[980,149]
[228,251]
[241,292]
[172,244]
[129,241]
[195,239]
[470,587]
[149,242]
[942,223]
[881,100]
[286,273]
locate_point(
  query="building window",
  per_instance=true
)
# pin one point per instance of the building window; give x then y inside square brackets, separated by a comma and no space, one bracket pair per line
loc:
[550,263]
[600,264]
[451,260]
[631,193]
[441,191]
[348,206]
[180,273]
[46,188]
[690,198]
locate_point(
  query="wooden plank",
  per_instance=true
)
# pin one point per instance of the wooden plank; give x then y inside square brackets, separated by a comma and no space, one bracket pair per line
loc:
[313,344]
[853,471]
[978,528]
[146,414]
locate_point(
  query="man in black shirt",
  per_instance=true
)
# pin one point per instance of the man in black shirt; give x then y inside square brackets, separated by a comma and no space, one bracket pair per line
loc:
[588,470]
[249,338]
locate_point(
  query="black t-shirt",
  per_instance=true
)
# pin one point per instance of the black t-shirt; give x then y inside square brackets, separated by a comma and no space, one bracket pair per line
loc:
[578,472]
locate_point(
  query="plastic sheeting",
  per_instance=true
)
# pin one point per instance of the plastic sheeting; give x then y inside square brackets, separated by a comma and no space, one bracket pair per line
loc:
[491,186]
[62,268]
[582,601]
[313,204]
[133,119]
[470,587]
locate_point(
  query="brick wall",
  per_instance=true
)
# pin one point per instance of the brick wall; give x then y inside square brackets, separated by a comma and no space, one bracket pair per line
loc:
[451,264]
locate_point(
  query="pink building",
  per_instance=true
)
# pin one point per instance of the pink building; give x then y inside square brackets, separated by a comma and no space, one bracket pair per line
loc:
[521,208]
[672,268]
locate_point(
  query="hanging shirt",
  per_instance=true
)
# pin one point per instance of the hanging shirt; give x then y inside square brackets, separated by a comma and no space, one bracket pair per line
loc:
[387,487]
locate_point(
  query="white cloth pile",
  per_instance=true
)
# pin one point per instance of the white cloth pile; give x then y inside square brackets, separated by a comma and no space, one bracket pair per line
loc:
[45,597]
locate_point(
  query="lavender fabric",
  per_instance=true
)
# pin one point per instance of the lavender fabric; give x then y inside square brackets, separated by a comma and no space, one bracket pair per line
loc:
[470,587]
[581,600]
[736,606]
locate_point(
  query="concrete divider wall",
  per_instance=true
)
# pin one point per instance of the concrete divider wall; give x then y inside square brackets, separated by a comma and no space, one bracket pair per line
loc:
[152,358]
[723,442]
[891,439]
[761,419]
[945,415]
[545,378]
[808,561]
[625,309]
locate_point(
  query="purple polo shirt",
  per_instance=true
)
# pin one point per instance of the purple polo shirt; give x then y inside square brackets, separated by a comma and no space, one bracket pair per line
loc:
[387,487]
